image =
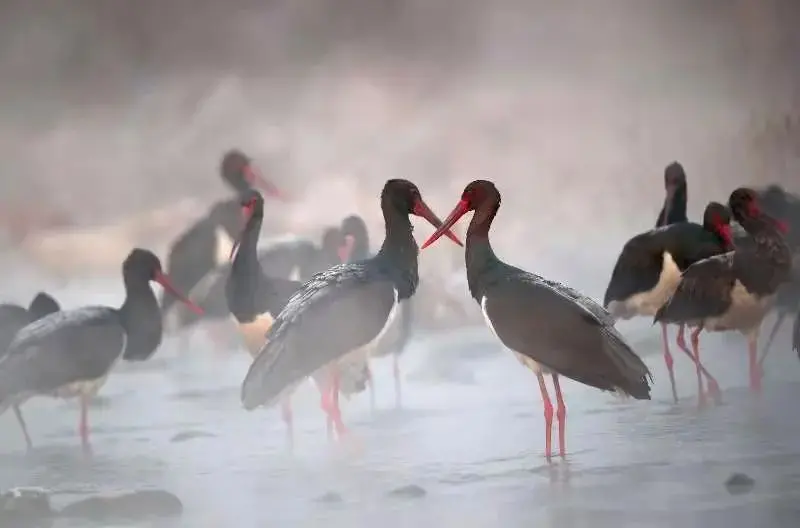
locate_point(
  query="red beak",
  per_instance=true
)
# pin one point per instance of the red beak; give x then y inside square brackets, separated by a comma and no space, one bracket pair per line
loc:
[254,178]
[460,210]
[421,209]
[164,281]
[346,249]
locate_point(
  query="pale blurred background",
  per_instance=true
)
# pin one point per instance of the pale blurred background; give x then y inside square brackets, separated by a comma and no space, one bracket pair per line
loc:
[112,109]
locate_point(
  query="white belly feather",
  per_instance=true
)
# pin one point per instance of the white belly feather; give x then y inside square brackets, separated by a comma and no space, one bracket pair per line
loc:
[648,302]
[745,313]
[254,333]
[224,245]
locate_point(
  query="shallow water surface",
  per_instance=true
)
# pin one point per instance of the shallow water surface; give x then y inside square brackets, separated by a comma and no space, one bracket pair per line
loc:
[470,435]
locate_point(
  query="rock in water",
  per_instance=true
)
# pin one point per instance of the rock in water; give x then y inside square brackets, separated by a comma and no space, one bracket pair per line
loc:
[189,435]
[130,506]
[739,483]
[330,497]
[408,492]
[25,507]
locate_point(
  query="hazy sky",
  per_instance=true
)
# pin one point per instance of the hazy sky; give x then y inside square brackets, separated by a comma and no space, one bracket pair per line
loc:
[573,108]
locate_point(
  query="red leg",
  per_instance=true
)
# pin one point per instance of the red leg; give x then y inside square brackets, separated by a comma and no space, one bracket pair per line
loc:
[701,394]
[755,370]
[326,402]
[548,417]
[23,426]
[84,424]
[713,386]
[398,394]
[288,419]
[668,360]
[561,414]
[337,413]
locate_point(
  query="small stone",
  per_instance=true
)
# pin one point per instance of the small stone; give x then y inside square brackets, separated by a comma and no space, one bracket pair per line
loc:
[25,507]
[411,491]
[330,497]
[739,483]
[131,506]
[189,435]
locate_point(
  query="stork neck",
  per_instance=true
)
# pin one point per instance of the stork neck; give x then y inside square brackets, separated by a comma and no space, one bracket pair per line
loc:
[674,209]
[397,257]
[246,258]
[479,256]
[140,307]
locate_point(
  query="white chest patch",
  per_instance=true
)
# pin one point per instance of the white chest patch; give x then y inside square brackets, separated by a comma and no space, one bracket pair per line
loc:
[224,245]
[745,313]
[254,333]
[389,320]
[525,360]
[648,302]
[295,274]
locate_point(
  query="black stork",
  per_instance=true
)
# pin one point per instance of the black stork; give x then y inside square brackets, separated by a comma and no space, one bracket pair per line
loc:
[782,204]
[70,353]
[206,244]
[734,290]
[13,318]
[344,308]
[649,269]
[255,298]
[356,244]
[551,328]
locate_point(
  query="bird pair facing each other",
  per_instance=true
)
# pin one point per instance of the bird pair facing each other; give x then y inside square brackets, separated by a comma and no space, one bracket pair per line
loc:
[70,353]
[552,328]
[654,265]
[259,302]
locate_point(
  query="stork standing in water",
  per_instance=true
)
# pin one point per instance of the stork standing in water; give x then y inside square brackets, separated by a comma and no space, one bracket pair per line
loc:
[649,269]
[344,308]
[551,328]
[207,243]
[12,319]
[734,291]
[70,353]
[356,240]
[255,298]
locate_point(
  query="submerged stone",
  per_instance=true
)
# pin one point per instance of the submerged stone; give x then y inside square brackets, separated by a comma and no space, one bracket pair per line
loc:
[330,497]
[130,506]
[189,435]
[411,491]
[739,483]
[25,507]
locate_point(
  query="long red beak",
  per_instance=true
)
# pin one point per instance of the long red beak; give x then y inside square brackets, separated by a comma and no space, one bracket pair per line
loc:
[346,249]
[255,179]
[247,212]
[421,209]
[460,210]
[164,281]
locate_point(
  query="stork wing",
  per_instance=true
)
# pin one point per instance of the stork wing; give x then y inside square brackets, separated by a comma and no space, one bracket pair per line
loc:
[62,348]
[336,312]
[704,291]
[564,331]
